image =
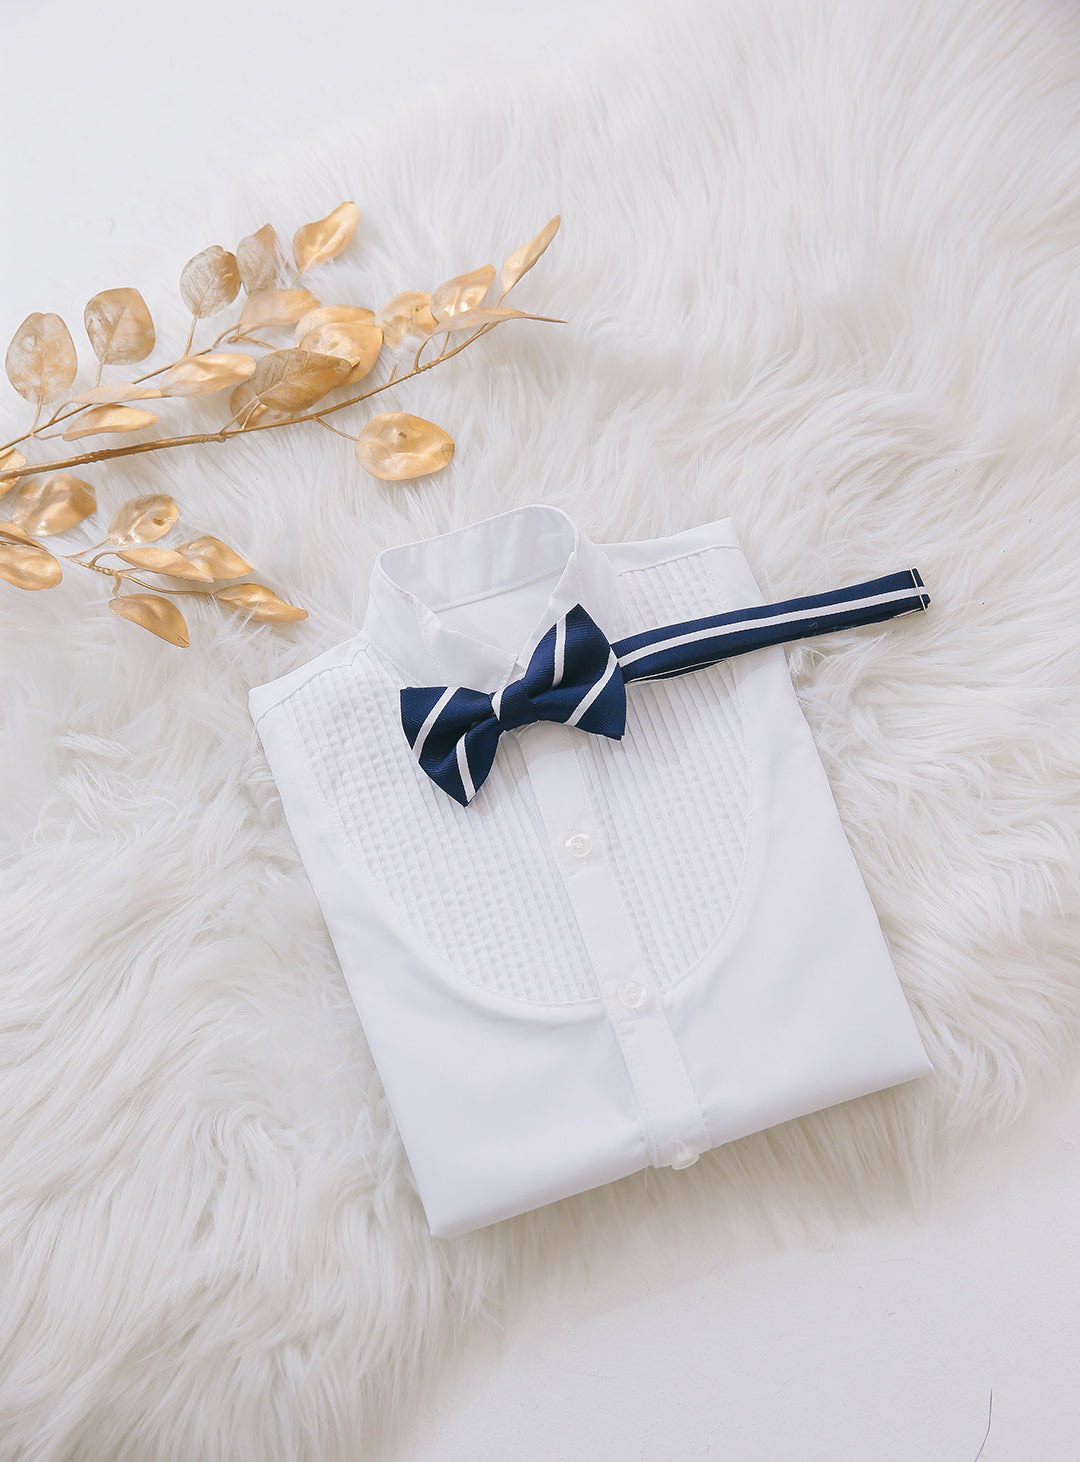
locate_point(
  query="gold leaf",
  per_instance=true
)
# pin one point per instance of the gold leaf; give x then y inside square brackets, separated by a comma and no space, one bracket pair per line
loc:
[262,603]
[259,257]
[216,558]
[356,343]
[485,315]
[210,281]
[108,418]
[114,392]
[152,612]
[10,461]
[28,566]
[54,504]
[244,408]
[396,446]
[198,375]
[268,308]
[119,326]
[12,530]
[326,237]
[333,315]
[406,314]
[523,259]
[164,561]
[143,519]
[292,380]
[462,293]
[41,361]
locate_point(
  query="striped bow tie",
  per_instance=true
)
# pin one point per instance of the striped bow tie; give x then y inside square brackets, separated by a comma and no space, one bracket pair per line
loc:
[577,677]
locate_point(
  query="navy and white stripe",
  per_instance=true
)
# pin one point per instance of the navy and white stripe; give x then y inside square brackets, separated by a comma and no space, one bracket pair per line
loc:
[575,676]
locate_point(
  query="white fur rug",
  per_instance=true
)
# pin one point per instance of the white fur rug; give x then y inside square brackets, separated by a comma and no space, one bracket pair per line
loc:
[820,264]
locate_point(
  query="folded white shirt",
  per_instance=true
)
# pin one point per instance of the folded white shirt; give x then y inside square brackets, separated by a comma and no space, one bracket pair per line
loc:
[622,952]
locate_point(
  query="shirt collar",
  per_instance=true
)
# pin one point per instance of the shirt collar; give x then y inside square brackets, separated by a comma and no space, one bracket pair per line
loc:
[533,561]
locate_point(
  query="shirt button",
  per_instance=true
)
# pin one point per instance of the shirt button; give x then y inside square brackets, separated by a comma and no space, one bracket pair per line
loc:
[579,845]
[633,995]
[683,1156]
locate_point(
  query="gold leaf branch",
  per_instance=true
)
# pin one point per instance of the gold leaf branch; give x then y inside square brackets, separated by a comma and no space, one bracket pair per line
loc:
[334,346]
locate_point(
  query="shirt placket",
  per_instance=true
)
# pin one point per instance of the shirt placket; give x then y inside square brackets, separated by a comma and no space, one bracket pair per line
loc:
[671,1115]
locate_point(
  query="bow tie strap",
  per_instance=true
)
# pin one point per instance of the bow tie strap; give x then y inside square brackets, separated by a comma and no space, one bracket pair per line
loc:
[576,677]
[676,649]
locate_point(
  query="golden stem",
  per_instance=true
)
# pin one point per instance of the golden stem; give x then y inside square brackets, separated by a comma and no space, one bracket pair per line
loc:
[334,429]
[227,433]
[45,425]
[190,338]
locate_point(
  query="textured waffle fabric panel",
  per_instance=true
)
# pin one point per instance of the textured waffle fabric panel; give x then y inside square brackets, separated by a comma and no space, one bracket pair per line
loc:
[485,894]
[685,783]
[622,952]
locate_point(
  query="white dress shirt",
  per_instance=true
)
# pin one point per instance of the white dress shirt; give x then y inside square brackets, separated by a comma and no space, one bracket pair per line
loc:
[621,953]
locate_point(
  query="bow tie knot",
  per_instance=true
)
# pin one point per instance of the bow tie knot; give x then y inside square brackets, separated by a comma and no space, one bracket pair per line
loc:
[513,707]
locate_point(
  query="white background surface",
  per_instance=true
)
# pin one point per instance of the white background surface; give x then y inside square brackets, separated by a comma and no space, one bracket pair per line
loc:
[121,128]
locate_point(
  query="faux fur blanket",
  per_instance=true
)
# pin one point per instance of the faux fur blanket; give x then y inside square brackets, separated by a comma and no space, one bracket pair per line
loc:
[819,262]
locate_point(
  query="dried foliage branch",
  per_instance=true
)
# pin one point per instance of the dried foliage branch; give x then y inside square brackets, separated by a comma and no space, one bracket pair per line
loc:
[334,346]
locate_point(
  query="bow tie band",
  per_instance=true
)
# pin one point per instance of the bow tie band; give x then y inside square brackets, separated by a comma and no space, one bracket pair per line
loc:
[576,677]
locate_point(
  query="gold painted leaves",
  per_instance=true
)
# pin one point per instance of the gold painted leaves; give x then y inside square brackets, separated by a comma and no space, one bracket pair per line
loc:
[292,380]
[43,506]
[345,331]
[115,392]
[143,519]
[408,313]
[259,602]
[41,360]
[198,375]
[53,504]
[324,239]
[461,293]
[522,260]
[163,561]
[155,613]
[396,446]
[259,258]
[119,326]
[483,315]
[217,559]
[25,563]
[272,308]
[11,463]
[332,346]
[97,419]
[210,281]
[134,529]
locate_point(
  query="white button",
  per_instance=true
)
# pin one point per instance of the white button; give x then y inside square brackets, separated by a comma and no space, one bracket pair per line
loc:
[633,995]
[579,845]
[683,1156]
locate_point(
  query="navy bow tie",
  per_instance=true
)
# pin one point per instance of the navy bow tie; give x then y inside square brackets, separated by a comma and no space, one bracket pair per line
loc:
[575,676]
